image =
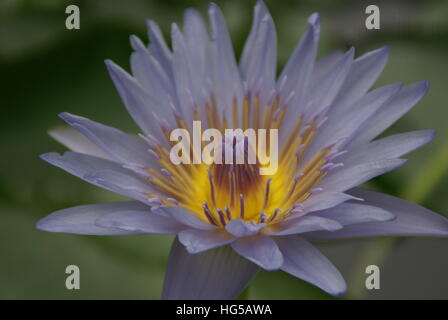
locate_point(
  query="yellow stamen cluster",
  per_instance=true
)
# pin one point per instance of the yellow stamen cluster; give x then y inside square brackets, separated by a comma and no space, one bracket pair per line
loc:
[217,193]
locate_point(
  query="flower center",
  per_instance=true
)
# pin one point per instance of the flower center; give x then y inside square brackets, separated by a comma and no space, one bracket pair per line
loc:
[220,192]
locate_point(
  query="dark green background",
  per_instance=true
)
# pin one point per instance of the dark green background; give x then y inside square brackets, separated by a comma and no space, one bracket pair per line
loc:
[46,69]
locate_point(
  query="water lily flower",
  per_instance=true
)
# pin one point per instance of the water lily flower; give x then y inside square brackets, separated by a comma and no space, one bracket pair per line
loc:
[228,220]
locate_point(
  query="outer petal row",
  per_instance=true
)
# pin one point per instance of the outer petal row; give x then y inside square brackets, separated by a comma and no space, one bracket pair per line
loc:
[101,172]
[116,218]
[411,220]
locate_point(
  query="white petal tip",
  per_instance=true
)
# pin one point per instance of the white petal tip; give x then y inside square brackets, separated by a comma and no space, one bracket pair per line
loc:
[314,19]
[136,43]
[112,67]
[424,86]
[338,293]
[48,156]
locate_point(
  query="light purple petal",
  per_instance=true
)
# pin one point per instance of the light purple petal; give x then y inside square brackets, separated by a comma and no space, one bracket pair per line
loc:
[119,145]
[346,125]
[364,72]
[296,76]
[140,105]
[154,79]
[259,58]
[81,219]
[196,40]
[345,178]
[196,241]
[191,85]
[304,261]
[240,228]
[213,275]
[408,97]
[261,250]
[351,213]
[411,220]
[184,216]
[226,75]
[324,200]
[101,172]
[158,47]
[391,147]
[298,69]
[191,64]
[76,142]
[143,221]
[324,65]
[325,90]
[129,185]
[303,224]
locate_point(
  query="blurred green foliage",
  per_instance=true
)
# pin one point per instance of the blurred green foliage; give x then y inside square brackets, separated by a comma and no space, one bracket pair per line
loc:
[46,69]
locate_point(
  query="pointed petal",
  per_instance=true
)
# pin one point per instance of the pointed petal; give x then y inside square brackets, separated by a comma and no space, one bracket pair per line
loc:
[143,221]
[212,275]
[261,250]
[191,62]
[81,219]
[391,147]
[295,78]
[121,146]
[408,97]
[196,241]
[158,47]
[196,40]
[324,65]
[184,216]
[155,80]
[298,69]
[411,220]
[303,224]
[259,58]
[137,101]
[352,213]
[76,142]
[324,200]
[342,179]
[226,75]
[130,185]
[101,172]
[190,83]
[341,127]
[364,72]
[326,89]
[304,261]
